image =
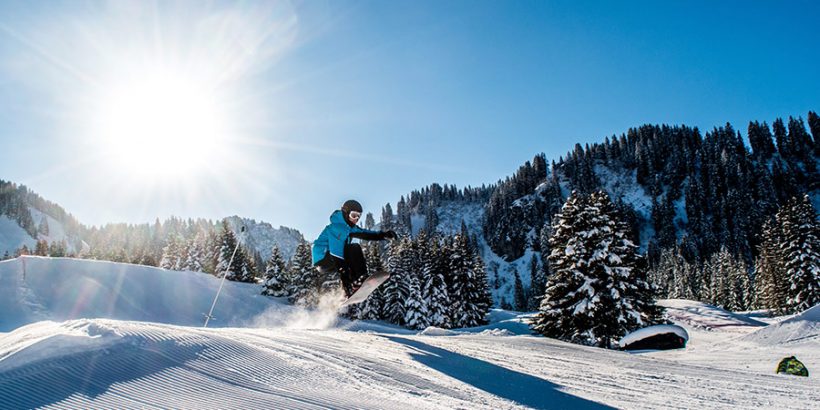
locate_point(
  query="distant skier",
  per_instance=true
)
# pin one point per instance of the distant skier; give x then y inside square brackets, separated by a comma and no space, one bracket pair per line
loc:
[334,250]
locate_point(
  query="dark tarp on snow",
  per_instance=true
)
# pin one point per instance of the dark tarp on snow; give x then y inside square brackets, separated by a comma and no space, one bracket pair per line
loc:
[659,337]
[790,365]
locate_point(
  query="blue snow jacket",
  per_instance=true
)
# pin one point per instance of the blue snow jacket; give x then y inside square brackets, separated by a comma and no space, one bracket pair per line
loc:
[334,237]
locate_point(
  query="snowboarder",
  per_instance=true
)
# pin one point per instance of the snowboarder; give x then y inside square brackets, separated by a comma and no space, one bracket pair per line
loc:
[334,250]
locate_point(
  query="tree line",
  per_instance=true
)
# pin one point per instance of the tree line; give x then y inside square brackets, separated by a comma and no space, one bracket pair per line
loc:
[436,280]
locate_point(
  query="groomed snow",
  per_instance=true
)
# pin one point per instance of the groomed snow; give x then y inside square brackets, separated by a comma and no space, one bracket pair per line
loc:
[311,359]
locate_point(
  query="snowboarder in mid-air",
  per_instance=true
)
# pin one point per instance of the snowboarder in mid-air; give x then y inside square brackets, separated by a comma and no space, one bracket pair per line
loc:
[334,250]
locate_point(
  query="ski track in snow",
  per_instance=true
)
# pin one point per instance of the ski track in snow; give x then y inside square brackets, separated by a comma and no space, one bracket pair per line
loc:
[123,362]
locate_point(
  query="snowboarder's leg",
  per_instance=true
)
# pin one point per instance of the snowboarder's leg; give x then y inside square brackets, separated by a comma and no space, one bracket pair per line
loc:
[347,281]
[357,266]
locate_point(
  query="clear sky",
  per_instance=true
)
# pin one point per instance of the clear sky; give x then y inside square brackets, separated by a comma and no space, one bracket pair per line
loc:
[280,111]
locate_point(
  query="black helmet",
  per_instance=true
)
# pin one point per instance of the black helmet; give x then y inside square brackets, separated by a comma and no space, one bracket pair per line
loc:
[350,206]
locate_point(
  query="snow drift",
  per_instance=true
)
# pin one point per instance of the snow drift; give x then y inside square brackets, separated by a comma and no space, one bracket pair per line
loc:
[803,328]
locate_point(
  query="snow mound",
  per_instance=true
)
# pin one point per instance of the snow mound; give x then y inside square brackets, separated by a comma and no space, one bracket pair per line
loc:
[653,331]
[497,332]
[800,329]
[437,331]
[33,289]
[48,341]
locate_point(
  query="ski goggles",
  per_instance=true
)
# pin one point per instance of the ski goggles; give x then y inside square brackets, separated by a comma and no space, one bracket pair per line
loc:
[355,215]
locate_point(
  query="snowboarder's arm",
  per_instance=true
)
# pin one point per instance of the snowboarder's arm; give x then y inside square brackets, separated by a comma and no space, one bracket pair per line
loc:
[368,235]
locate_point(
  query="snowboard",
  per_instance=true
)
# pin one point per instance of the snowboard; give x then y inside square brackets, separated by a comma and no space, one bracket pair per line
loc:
[368,286]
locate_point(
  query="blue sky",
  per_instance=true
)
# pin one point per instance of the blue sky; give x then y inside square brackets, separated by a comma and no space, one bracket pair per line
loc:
[317,102]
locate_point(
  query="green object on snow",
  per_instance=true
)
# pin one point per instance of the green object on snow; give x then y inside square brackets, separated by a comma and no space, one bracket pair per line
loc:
[791,365]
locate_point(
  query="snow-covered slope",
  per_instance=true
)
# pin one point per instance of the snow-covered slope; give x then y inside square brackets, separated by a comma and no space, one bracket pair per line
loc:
[801,329]
[13,237]
[294,358]
[35,288]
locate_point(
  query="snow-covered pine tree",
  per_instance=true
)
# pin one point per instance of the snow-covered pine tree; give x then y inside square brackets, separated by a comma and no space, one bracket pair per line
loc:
[717,269]
[476,290]
[771,287]
[458,279]
[195,253]
[276,282]
[172,254]
[598,291]
[371,308]
[729,283]
[304,285]
[740,288]
[403,225]
[801,253]
[434,288]
[563,312]
[241,269]
[662,272]
[416,314]
[396,289]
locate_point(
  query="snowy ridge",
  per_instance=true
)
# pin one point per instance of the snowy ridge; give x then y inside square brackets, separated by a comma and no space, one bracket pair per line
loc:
[261,236]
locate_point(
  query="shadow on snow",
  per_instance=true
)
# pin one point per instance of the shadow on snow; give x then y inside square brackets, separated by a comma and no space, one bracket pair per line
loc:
[521,388]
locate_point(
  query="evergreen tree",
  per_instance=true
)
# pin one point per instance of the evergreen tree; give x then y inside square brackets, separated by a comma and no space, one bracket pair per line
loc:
[240,268]
[434,288]
[519,294]
[371,308]
[172,254]
[598,291]
[800,250]
[539,274]
[729,282]
[305,279]
[42,229]
[41,248]
[814,126]
[369,222]
[276,283]
[460,288]
[396,289]
[770,279]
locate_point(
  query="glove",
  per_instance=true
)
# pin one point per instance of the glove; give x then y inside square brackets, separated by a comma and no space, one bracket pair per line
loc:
[389,235]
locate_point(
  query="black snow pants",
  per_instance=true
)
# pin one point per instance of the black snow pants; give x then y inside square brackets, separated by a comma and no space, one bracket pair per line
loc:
[352,269]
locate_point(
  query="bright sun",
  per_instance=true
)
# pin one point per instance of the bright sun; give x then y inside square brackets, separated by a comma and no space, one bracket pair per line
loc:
[161,125]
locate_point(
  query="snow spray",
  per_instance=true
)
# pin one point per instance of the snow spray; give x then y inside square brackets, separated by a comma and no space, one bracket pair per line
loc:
[322,316]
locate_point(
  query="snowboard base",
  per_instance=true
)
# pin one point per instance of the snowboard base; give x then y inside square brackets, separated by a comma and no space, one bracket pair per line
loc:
[368,286]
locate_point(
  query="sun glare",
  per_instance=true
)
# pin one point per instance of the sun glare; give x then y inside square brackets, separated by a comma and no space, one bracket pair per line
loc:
[161,125]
